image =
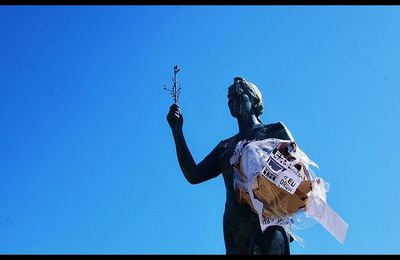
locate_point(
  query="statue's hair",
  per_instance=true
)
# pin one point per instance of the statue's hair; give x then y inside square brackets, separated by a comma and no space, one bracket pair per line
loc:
[254,92]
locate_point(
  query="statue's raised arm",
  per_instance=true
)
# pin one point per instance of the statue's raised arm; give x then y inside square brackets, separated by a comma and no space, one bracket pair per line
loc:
[194,173]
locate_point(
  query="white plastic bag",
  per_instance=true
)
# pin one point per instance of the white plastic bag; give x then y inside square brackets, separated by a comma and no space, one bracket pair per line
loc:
[278,201]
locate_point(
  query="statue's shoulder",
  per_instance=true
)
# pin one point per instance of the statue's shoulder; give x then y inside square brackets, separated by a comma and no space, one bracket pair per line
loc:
[279,126]
[279,130]
[228,142]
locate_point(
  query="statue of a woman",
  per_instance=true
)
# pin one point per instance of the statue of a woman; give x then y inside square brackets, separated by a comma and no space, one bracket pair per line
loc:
[242,231]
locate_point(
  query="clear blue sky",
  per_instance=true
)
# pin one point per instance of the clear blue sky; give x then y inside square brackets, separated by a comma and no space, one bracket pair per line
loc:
[87,160]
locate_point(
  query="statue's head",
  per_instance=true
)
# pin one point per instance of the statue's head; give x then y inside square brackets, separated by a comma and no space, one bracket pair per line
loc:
[244,98]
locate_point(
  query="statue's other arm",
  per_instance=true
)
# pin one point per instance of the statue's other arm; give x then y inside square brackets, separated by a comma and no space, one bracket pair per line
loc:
[194,173]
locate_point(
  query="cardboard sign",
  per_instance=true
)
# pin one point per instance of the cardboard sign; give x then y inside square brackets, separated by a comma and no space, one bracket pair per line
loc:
[281,172]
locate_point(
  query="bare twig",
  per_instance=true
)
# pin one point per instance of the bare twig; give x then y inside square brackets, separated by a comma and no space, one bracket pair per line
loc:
[176,88]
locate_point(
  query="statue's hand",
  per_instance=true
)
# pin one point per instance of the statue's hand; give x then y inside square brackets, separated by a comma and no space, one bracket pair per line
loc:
[174,117]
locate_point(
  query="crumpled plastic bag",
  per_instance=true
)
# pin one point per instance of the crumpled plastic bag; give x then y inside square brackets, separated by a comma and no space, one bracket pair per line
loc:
[274,177]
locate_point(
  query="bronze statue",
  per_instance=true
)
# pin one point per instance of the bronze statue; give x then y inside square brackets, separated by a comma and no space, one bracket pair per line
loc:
[242,231]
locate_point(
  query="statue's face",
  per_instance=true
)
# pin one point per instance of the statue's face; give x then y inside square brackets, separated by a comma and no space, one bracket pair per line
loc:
[239,101]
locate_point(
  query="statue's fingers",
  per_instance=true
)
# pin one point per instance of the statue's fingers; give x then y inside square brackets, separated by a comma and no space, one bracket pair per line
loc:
[172,113]
[174,107]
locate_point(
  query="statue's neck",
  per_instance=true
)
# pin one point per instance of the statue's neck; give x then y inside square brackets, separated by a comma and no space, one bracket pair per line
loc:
[247,123]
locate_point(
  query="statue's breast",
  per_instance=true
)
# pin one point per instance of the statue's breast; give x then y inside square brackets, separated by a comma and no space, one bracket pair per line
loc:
[227,148]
